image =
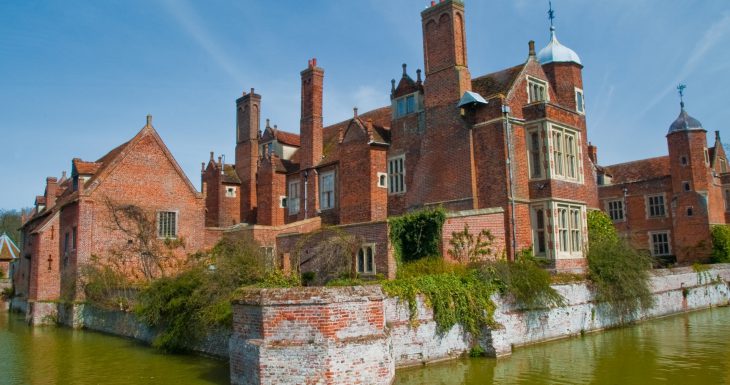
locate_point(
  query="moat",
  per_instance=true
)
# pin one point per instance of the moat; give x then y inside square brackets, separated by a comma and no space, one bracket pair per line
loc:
[688,349]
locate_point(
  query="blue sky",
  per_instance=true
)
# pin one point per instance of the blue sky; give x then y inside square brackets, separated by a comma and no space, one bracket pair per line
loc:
[78,77]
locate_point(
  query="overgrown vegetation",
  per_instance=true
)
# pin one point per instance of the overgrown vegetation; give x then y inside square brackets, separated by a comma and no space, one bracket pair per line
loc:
[721,244]
[104,286]
[467,247]
[525,280]
[417,235]
[185,306]
[456,294]
[619,273]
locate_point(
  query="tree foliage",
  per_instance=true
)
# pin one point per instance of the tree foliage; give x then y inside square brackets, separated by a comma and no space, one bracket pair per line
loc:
[721,244]
[10,222]
[418,234]
[600,227]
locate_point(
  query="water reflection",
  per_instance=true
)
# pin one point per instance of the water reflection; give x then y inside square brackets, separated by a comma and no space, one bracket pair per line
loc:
[684,349]
[49,355]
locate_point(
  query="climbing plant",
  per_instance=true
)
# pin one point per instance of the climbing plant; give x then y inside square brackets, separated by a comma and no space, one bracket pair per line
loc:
[418,234]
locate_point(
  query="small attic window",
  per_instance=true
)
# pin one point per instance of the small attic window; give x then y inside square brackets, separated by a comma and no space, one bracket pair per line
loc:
[683,160]
[580,103]
[230,192]
[382,180]
[686,186]
[405,105]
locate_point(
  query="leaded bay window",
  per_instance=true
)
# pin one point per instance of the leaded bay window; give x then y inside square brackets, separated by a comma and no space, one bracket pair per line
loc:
[327,190]
[397,175]
[167,224]
[569,224]
[539,234]
[535,155]
[565,153]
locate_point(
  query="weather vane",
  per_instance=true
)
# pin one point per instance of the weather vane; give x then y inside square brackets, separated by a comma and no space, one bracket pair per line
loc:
[551,13]
[681,88]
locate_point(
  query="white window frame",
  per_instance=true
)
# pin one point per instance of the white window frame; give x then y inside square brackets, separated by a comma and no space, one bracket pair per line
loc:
[537,90]
[580,104]
[361,260]
[652,245]
[324,203]
[382,180]
[566,154]
[283,201]
[165,231]
[535,156]
[616,210]
[293,200]
[537,231]
[569,229]
[648,204]
[230,191]
[397,175]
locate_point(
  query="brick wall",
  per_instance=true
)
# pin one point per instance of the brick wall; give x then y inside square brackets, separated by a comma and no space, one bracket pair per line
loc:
[477,220]
[310,336]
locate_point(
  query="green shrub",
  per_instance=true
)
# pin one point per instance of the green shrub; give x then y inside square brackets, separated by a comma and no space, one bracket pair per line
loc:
[106,287]
[721,244]
[600,227]
[7,293]
[429,266]
[620,276]
[418,234]
[526,280]
[467,247]
[455,297]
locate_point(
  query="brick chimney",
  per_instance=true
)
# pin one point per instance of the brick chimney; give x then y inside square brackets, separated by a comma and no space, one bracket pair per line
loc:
[593,153]
[444,51]
[51,189]
[311,119]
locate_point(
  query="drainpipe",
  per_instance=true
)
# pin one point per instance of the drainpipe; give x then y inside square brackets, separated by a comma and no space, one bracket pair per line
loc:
[305,193]
[508,131]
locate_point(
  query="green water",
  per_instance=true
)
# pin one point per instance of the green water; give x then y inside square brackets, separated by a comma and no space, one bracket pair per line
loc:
[690,348]
[61,356]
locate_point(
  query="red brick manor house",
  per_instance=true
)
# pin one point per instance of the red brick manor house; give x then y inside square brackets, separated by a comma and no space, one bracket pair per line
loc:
[506,151]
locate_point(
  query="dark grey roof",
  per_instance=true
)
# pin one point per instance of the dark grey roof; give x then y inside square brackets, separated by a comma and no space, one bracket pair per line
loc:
[684,122]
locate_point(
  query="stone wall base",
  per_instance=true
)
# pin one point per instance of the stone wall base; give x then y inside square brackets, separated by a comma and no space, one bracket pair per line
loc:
[42,313]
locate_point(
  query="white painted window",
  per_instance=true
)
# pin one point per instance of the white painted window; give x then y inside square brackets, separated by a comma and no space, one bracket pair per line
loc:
[366,260]
[580,103]
[615,210]
[655,206]
[230,192]
[293,200]
[535,156]
[397,175]
[539,242]
[282,202]
[660,243]
[382,179]
[327,190]
[569,229]
[566,153]
[167,224]
[537,90]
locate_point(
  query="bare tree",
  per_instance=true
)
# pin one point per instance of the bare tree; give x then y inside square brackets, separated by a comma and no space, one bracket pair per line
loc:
[329,252]
[467,247]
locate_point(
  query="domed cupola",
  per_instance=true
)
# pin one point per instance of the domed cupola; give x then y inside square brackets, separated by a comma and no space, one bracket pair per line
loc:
[684,122]
[555,52]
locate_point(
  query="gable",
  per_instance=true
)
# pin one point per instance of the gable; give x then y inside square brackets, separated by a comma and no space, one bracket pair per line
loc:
[354,133]
[519,86]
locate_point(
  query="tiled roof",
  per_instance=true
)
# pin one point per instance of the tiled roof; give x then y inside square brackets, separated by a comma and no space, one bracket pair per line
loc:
[229,174]
[8,249]
[85,168]
[497,82]
[639,170]
[288,138]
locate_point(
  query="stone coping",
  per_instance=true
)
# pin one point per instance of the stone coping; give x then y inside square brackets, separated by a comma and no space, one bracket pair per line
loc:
[308,295]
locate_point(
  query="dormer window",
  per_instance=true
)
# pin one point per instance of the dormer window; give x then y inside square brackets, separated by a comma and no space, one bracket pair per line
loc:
[406,105]
[537,90]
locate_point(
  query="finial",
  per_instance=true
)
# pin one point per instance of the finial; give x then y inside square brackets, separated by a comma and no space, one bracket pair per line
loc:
[251,91]
[392,85]
[267,123]
[551,15]
[531,45]
[211,156]
[681,88]
[404,70]
[354,111]
[149,121]
[418,75]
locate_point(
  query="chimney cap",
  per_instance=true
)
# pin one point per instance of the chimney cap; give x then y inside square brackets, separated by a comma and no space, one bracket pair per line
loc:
[531,45]
[149,120]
